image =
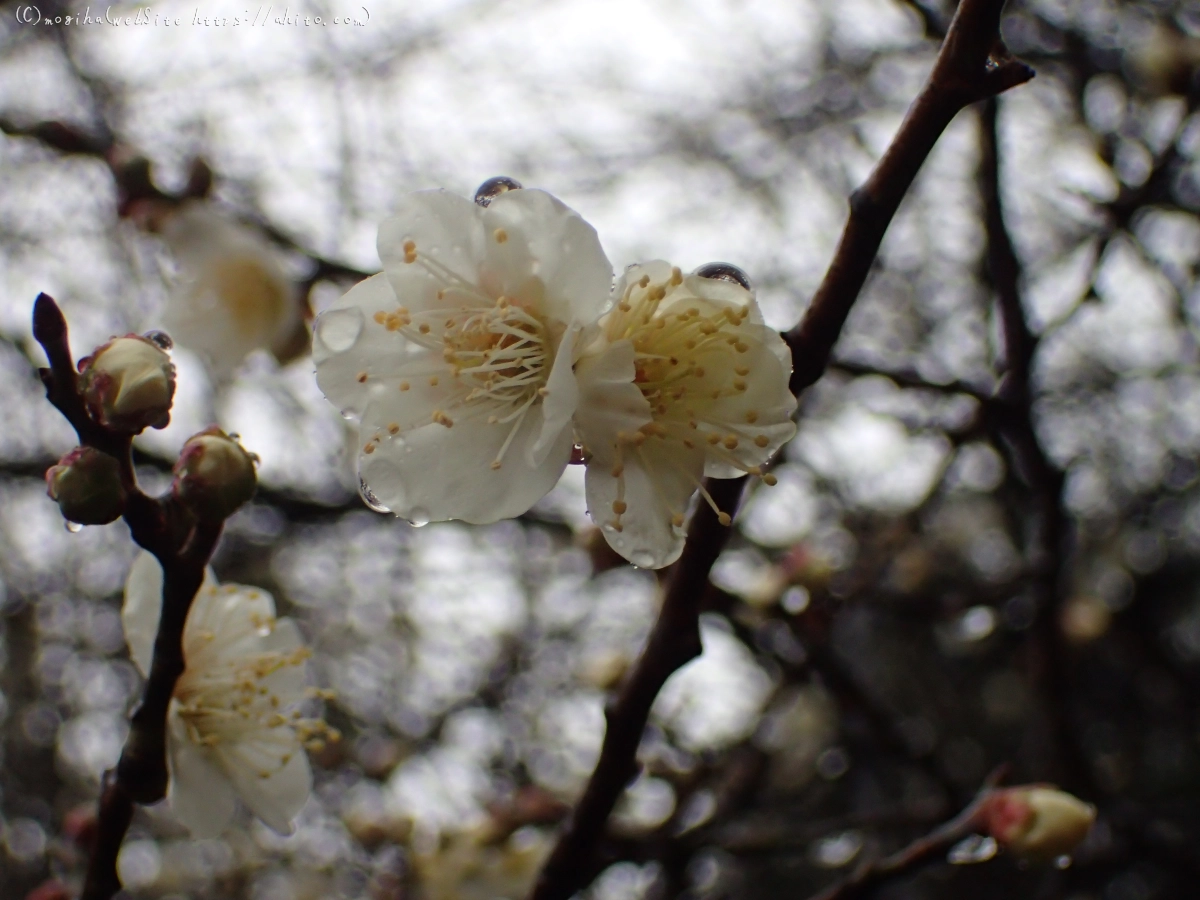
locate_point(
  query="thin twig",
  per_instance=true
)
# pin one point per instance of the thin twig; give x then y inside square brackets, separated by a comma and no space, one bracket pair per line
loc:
[928,848]
[971,65]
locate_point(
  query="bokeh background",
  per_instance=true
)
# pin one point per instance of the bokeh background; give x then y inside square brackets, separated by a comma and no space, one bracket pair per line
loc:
[878,634]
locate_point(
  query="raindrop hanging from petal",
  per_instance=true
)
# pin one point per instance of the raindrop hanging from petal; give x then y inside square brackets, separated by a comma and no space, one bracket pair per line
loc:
[721,271]
[369,498]
[494,187]
[160,339]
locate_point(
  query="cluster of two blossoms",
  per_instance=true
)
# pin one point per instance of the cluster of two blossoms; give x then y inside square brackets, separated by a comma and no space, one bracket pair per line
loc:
[495,347]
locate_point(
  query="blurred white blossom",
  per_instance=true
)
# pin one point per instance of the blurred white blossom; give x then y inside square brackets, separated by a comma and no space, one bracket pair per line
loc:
[232,295]
[458,357]
[681,381]
[233,730]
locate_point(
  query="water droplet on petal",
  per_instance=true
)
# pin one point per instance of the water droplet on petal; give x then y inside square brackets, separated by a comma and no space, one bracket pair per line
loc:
[338,329]
[973,849]
[369,498]
[643,559]
[494,187]
[418,517]
[160,338]
[721,271]
[73,527]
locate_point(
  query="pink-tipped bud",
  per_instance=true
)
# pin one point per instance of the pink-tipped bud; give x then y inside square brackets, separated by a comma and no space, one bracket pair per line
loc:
[86,485]
[1036,822]
[128,384]
[214,475]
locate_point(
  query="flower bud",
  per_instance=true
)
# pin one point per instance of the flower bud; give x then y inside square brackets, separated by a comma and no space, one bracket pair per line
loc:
[1037,822]
[86,484]
[214,475]
[128,384]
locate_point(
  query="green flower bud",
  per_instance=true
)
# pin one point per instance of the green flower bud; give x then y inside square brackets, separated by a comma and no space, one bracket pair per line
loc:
[86,484]
[214,475]
[128,384]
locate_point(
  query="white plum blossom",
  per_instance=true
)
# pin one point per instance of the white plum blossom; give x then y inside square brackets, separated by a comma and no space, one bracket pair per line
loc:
[233,730]
[682,380]
[457,358]
[232,295]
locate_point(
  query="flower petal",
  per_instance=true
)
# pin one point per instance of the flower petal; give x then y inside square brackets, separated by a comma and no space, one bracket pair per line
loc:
[609,401]
[289,682]
[545,238]
[434,473]
[347,344]
[658,482]
[562,397]
[271,775]
[199,793]
[143,607]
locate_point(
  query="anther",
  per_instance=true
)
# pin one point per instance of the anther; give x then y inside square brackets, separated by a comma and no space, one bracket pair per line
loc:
[770,479]
[410,251]
[361,378]
[619,507]
[724,518]
[761,440]
[731,442]
[500,235]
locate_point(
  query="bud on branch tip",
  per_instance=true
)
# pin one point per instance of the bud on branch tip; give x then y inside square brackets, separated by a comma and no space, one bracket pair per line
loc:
[49,326]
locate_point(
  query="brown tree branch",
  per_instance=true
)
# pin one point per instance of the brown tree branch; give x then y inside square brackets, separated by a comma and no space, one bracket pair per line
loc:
[926,849]
[971,65]
[1051,543]
[183,544]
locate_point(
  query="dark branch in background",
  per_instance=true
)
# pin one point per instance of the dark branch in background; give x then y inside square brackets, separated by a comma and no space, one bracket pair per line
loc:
[135,186]
[929,848]
[1014,419]
[182,543]
[972,65]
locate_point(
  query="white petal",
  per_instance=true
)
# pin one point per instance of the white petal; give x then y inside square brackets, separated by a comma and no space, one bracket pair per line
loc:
[348,342]
[143,607]
[766,393]
[562,397]
[290,682]
[275,793]
[445,226]
[549,240]
[659,480]
[609,401]
[199,793]
[435,473]
[226,622]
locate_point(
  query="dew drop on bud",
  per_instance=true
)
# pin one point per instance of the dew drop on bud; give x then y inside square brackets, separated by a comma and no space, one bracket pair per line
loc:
[369,498]
[73,527]
[418,517]
[975,848]
[160,339]
[494,187]
[725,272]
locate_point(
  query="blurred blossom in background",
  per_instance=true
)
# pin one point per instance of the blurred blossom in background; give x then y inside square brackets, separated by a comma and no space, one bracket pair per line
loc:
[869,639]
